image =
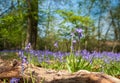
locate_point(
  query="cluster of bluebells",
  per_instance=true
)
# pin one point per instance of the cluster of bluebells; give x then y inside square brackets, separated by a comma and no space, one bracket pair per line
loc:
[23,57]
[44,56]
[84,53]
[107,57]
[24,61]
[79,33]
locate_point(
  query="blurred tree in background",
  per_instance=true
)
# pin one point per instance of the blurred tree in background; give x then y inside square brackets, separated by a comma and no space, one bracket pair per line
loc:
[32,22]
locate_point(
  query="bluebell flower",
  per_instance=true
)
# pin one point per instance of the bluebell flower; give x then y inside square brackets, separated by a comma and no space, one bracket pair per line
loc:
[74,41]
[28,46]
[21,54]
[14,80]
[56,44]
[24,60]
[72,34]
[79,31]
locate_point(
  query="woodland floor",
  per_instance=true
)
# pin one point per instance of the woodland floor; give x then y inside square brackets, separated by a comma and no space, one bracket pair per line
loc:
[12,69]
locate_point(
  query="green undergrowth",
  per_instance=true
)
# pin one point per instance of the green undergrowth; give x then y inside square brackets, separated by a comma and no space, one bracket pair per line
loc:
[71,63]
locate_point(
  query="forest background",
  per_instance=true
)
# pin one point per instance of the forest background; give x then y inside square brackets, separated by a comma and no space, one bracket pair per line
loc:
[46,22]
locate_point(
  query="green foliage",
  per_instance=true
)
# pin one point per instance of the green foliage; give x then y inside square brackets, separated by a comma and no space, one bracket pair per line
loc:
[5,81]
[53,64]
[113,68]
[12,30]
[75,63]
[76,20]
[110,67]
[8,55]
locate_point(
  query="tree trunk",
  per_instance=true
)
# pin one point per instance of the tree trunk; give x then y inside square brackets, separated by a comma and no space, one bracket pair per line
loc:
[32,22]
